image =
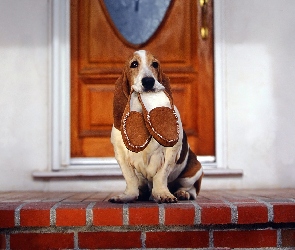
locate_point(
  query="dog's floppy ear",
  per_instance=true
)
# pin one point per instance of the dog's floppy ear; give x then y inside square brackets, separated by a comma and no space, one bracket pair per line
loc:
[122,91]
[165,81]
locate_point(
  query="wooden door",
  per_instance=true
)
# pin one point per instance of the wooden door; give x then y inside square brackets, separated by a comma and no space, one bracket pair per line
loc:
[98,53]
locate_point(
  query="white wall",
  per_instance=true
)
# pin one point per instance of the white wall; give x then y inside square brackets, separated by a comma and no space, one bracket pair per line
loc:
[259,82]
[23,92]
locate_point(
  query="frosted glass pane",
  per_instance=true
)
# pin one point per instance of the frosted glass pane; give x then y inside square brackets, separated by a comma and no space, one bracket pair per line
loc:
[137,20]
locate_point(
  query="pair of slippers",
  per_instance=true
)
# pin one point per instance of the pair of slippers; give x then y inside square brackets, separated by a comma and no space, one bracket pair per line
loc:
[147,115]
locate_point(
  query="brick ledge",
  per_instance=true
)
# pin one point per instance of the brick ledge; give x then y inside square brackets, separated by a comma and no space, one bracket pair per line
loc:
[217,219]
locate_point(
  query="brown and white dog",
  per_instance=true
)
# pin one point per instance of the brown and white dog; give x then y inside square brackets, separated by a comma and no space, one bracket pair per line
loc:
[166,174]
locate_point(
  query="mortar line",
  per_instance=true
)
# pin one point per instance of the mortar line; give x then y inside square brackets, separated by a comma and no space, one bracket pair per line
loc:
[17,215]
[197,219]
[125,214]
[234,211]
[279,238]
[89,214]
[53,214]
[161,214]
[270,213]
[7,241]
[143,239]
[211,238]
[76,240]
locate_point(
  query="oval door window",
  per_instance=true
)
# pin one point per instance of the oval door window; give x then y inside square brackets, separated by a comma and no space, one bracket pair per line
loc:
[137,20]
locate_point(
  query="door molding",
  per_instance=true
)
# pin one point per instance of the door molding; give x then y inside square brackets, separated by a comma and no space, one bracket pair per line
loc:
[59,83]
[59,97]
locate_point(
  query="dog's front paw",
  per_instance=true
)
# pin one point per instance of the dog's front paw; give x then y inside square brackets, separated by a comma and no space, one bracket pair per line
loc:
[123,198]
[164,197]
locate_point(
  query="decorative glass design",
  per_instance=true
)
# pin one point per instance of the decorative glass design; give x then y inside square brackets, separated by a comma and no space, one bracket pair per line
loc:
[137,20]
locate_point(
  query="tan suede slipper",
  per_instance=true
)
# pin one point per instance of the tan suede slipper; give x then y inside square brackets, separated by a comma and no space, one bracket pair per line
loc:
[133,129]
[160,117]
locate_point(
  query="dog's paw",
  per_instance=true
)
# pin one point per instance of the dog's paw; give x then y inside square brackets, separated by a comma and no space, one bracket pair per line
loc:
[164,197]
[182,195]
[123,198]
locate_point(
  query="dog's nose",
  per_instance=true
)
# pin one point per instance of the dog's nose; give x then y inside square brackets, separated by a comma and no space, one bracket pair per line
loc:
[148,83]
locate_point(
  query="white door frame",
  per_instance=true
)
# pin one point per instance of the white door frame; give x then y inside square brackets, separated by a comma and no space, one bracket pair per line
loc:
[59,97]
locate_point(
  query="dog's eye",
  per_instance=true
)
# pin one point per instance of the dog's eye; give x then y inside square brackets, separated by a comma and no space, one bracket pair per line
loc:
[155,65]
[134,64]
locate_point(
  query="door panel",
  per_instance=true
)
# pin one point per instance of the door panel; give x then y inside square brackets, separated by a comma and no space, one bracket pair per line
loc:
[98,54]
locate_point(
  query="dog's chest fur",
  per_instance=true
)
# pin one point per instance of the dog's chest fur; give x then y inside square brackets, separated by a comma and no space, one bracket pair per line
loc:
[149,160]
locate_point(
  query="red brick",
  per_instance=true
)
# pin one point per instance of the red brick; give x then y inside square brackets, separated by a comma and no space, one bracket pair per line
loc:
[243,239]
[179,214]
[284,212]
[71,214]
[288,238]
[7,214]
[2,241]
[215,213]
[105,240]
[143,214]
[42,241]
[36,214]
[250,213]
[107,214]
[189,239]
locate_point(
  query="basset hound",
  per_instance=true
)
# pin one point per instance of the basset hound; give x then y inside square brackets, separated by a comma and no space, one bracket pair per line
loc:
[149,142]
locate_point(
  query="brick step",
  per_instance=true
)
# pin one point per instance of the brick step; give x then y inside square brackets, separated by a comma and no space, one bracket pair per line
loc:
[217,219]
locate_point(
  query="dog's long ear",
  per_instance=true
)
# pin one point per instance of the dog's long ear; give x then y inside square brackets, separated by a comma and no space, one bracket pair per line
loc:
[122,91]
[165,81]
